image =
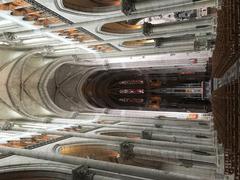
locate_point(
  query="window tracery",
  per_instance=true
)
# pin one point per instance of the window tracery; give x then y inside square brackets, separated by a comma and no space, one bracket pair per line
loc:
[131,82]
[132,100]
[131,91]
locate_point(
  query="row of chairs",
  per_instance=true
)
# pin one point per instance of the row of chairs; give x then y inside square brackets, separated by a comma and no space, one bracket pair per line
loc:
[227,49]
[226,116]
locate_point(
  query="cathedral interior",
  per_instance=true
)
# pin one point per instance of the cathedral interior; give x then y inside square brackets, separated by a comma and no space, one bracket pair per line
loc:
[119,89]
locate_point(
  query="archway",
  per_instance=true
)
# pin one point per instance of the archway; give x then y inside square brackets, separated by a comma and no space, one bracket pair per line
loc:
[109,153]
[145,90]
[122,27]
[94,6]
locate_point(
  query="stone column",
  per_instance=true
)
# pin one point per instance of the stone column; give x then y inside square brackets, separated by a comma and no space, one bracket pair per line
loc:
[145,142]
[188,133]
[129,6]
[177,138]
[127,53]
[106,166]
[186,26]
[6,125]
[176,155]
[97,177]
[38,42]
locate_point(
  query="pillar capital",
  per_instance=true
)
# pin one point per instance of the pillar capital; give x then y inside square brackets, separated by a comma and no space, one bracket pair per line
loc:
[200,45]
[106,111]
[9,36]
[158,42]
[128,6]
[6,125]
[47,50]
[147,29]
[83,173]
[146,135]
[47,120]
[126,150]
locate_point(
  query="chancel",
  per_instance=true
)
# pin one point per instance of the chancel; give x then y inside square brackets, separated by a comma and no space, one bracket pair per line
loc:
[119,89]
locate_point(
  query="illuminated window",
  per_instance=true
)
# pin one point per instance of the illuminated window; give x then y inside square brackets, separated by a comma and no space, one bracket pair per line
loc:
[130,82]
[131,91]
[132,100]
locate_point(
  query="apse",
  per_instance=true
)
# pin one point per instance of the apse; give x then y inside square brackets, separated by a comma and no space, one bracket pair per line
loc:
[145,90]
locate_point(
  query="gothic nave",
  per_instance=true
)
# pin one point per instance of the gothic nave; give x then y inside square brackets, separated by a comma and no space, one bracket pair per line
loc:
[119,89]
